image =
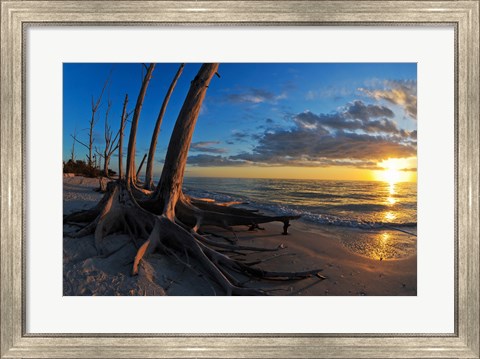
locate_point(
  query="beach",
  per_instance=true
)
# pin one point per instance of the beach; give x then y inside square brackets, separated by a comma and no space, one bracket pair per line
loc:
[342,271]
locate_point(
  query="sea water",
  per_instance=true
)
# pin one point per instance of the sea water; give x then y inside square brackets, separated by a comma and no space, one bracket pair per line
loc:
[374,219]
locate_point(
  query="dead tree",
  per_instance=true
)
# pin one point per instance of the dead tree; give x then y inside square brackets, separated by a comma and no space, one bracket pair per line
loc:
[72,152]
[123,122]
[130,174]
[171,222]
[93,120]
[75,139]
[156,131]
[109,149]
[140,166]
[111,144]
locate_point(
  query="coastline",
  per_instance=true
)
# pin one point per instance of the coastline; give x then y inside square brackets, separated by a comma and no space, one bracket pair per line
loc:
[308,246]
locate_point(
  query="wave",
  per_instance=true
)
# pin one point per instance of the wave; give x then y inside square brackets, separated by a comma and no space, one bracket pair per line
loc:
[306,215]
[327,219]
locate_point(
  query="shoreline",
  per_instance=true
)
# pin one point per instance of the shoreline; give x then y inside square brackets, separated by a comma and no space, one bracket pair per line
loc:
[308,245]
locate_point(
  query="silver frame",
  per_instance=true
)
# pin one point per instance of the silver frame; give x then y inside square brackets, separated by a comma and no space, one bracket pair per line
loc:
[16,15]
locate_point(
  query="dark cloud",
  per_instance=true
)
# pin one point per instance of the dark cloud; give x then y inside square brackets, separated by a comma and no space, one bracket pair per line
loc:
[255,96]
[358,110]
[311,146]
[206,146]
[240,136]
[403,93]
[355,116]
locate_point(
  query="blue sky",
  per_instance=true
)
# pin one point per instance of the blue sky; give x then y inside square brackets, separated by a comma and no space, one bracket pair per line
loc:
[260,115]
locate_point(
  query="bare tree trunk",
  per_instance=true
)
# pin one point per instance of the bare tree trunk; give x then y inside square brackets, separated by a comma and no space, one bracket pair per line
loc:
[120,140]
[170,185]
[106,162]
[141,165]
[156,131]
[90,138]
[72,157]
[108,141]
[95,106]
[130,175]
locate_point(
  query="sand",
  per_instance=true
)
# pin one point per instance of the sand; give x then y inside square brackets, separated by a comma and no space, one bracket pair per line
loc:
[308,246]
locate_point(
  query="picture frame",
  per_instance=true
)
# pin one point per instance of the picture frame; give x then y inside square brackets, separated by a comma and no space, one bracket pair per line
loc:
[17,15]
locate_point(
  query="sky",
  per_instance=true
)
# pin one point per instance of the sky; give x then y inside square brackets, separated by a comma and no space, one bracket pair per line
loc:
[345,121]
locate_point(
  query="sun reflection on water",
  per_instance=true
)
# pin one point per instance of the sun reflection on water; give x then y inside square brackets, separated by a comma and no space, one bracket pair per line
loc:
[390,215]
[391,200]
[391,188]
[382,247]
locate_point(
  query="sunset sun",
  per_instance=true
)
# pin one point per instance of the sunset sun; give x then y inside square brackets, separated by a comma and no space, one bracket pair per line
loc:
[395,170]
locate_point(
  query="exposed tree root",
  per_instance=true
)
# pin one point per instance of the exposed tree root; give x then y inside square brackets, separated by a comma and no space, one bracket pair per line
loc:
[218,265]
[122,213]
[139,193]
[212,234]
[199,202]
[211,214]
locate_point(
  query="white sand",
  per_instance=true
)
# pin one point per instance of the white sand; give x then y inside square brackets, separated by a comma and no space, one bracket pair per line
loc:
[308,247]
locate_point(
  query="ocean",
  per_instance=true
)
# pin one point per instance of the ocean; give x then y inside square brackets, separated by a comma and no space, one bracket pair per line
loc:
[374,219]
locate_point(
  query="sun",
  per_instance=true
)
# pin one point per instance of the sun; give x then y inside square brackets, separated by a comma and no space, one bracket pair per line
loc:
[391,175]
[393,171]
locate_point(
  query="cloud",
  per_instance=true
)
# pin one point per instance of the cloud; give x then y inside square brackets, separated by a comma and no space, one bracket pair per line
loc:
[334,92]
[354,116]
[239,135]
[358,110]
[402,93]
[203,160]
[358,135]
[255,96]
[300,146]
[242,136]
[206,146]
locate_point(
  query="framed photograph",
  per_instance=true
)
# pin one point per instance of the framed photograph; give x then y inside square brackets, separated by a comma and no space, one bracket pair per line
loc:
[240,179]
